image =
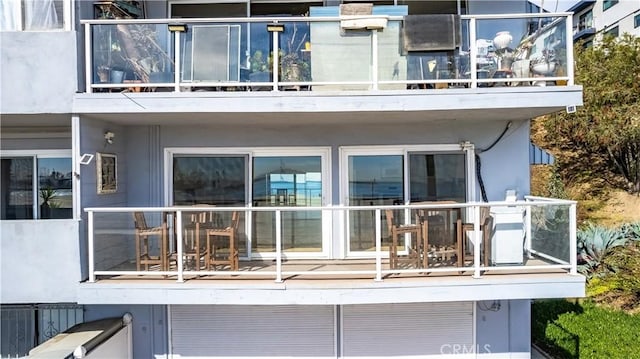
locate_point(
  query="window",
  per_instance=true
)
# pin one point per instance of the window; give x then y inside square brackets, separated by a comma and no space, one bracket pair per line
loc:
[36,186]
[608,3]
[31,15]
[612,32]
[586,21]
[636,21]
[398,176]
[264,177]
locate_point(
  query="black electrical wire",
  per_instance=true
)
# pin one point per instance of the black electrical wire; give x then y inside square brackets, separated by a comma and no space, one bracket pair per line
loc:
[483,191]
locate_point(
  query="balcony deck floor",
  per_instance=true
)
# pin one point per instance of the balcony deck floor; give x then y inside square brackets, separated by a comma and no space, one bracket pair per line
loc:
[292,271]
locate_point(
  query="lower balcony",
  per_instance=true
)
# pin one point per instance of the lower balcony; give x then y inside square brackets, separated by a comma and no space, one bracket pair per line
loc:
[426,252]
[293,243]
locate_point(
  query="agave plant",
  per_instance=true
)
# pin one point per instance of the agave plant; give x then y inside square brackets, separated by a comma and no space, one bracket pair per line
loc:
[594,244]
[631,231]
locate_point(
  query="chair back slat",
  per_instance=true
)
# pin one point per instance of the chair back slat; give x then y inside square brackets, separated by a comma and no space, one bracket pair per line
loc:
[388,213]
[139,220]
[235,220]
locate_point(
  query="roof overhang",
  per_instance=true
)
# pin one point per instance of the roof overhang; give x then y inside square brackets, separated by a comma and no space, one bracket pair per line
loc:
[510,103]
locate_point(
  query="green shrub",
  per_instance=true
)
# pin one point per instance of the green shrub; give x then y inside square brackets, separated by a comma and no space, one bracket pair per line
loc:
[585,331]
[624,269]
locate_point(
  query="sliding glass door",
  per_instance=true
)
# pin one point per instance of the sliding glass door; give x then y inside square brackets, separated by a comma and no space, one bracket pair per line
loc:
[286,179]
[377,176]
[373,180]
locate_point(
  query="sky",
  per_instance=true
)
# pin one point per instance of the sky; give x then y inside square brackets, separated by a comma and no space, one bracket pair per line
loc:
[550,5]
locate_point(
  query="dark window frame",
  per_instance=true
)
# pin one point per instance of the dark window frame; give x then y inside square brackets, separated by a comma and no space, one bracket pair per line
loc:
[607,4]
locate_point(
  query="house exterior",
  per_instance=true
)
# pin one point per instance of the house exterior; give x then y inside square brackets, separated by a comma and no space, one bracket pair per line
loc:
[615,18]
[282,178]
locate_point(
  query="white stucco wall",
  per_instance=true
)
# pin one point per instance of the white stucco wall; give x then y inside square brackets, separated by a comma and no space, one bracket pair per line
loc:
[116,244]
[39,72]
[40,261]
[503,328]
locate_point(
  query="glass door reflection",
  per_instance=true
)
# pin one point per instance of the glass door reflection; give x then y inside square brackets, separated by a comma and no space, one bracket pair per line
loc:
[214,181]
[374,180]
[287,181]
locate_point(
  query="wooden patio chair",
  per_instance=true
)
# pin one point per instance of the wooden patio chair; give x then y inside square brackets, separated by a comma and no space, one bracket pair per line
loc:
[219,238]
[486,228]
[194,249]
[143,251]
[414,254]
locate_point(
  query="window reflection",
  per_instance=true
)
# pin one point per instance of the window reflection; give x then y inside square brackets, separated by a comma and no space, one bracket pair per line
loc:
[55,198]
[53,191]
[437,177]
[209,180]
[288,181]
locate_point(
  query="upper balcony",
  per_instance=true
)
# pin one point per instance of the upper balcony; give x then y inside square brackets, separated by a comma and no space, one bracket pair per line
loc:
[286,253]
[415,63]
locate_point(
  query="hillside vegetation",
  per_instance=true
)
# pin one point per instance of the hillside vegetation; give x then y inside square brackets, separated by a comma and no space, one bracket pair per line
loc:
[597,152]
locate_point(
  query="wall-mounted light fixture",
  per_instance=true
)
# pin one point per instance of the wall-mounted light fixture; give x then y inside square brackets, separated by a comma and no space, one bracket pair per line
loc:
[175,27]
[109,136]
[275,27]
[85,159]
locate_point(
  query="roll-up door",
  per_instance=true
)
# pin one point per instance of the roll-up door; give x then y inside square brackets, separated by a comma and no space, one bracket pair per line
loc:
[215,331]
[416,330]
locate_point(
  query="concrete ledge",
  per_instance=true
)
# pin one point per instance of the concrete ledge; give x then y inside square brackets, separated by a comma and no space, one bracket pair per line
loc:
[331,292]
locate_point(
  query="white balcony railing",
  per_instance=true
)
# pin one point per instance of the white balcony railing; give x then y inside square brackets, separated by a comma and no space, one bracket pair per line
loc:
[313,54]
[538,234]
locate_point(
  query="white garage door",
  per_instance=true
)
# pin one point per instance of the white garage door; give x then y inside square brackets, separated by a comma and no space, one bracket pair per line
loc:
[215,331]
[411,330]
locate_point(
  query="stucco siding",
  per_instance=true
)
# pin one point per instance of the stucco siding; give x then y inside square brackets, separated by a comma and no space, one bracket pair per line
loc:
[38,72]
[40,261]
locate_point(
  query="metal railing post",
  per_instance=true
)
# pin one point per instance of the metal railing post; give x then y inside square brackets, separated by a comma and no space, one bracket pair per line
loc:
[176,60]
[90,247]
[180,249]
[473,53]
[276,59]
[569,41]
[374,58]
[573,240]
[378,246]
[88,58]
[278,246]
[528,240]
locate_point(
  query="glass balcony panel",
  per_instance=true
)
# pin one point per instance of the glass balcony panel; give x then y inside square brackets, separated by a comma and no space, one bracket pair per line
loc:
[339,57]
[295,53]
[392,64]
[550,233]
[132,53]
[521,48]
[213,53]
[212,239]
[114,242]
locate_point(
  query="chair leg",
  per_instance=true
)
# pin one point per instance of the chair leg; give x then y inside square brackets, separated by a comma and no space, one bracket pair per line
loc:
[207,259]
[138,252]
[460,248]
[393,250]
[233,255]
